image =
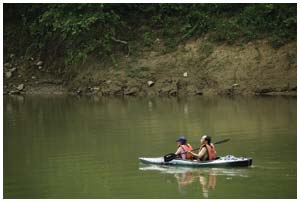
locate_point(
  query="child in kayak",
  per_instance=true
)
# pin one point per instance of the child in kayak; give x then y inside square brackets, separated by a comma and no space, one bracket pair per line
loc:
[183,148]
[207,150]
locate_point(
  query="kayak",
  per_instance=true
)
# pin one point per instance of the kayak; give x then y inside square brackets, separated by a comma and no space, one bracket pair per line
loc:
[226,161]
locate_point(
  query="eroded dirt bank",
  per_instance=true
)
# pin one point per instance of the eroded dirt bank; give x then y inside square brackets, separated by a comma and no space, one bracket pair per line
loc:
[198,67]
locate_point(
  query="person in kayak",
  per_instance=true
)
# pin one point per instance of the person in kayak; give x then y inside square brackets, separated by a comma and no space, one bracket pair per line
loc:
[183,148]
[207,150]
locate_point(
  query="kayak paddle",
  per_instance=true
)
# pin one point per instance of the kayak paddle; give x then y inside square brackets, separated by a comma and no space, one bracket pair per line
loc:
[171,156]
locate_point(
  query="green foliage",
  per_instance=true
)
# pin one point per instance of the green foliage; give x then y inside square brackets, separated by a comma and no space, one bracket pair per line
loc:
[74,31]
[276,41]
[148,39]
[226,31]
[79,29]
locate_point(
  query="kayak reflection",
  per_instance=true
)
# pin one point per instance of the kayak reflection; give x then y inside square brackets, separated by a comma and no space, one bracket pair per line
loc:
[188,177]
[207,181]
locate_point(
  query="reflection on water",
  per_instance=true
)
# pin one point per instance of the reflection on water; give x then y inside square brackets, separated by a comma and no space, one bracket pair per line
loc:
[207,184]
[204,178]
[184,180]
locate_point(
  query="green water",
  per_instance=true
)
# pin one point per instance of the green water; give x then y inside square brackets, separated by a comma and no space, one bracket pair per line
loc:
[68,147]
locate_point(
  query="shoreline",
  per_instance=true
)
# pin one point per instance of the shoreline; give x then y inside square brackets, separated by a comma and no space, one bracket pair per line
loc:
[53,90]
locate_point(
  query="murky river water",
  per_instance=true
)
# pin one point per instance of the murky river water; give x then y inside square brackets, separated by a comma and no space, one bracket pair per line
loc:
[68,147]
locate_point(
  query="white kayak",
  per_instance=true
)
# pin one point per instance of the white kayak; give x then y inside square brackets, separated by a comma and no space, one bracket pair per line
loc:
[226,161]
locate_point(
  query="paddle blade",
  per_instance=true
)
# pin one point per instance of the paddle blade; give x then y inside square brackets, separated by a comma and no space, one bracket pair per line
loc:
[222,141]
[169,157]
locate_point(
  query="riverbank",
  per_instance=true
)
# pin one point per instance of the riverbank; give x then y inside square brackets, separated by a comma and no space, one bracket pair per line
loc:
[150,50]
[197,67]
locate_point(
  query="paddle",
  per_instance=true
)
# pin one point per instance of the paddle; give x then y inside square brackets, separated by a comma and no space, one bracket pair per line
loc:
[171,156]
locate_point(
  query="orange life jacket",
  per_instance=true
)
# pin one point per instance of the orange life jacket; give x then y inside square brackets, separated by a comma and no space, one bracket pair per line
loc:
[212,154]
[185,148]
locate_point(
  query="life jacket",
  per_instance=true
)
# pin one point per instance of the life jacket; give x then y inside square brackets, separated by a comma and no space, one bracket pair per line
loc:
[185,148]
[212,154]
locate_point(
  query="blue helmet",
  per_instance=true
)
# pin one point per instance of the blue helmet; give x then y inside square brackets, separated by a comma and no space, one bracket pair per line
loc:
[181,139]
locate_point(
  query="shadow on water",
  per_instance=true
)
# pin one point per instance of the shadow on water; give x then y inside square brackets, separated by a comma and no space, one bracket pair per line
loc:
[205,178]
